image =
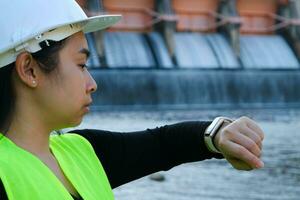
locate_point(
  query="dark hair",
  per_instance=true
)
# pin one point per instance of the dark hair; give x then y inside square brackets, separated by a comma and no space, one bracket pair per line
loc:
[47,59]
[7,97]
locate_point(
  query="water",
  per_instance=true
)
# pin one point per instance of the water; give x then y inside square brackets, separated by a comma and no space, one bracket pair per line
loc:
[193,51]
[197,88]
[215,179]
[270,52]
[160,50]
[125,49]
[222,50]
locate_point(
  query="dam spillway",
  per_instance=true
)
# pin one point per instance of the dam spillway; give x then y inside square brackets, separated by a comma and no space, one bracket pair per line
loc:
[201,53]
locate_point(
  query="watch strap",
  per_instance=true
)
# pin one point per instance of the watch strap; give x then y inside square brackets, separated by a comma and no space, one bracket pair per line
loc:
[211,132]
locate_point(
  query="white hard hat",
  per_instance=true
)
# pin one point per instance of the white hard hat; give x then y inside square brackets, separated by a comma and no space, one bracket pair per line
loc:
[26,23]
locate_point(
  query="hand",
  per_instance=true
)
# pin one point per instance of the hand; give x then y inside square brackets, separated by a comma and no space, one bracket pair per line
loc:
[241,143]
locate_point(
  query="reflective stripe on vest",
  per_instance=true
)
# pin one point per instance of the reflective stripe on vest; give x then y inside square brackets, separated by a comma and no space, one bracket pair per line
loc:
[26,177]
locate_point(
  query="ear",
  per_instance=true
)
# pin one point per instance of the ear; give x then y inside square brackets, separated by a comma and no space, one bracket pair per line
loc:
[27,69]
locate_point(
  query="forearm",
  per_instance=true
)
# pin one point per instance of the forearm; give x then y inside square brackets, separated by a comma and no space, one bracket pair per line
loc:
[129,156]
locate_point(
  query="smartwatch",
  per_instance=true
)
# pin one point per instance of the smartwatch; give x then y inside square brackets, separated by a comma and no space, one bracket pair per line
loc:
[212,130]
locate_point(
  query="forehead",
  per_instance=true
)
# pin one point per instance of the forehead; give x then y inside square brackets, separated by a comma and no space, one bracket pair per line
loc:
[76,42]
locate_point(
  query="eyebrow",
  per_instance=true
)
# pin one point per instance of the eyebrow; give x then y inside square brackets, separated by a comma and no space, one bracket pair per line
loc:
[86,52]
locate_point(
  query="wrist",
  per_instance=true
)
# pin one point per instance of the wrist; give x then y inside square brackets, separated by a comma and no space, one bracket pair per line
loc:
[216,138]
[212,133]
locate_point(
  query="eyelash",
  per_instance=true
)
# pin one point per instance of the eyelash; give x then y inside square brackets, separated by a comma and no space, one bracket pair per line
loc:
[83,66]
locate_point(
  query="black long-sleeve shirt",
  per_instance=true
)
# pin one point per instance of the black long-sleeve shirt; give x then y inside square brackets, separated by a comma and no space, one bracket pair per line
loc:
[129,156]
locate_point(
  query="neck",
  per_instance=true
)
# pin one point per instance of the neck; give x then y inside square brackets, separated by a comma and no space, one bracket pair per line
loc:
[30,133]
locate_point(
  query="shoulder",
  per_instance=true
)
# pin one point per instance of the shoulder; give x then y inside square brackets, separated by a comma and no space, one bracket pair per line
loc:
[70,139]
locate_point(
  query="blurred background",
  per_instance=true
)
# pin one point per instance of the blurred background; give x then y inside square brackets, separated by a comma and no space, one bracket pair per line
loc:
[174,60]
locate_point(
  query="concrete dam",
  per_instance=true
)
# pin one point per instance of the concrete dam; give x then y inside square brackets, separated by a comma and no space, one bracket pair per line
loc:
[196,54]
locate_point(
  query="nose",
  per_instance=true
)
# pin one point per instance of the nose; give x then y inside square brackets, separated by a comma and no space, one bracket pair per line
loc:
[91,84]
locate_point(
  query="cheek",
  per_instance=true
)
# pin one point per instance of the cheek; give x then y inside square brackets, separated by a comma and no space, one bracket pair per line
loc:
[72,93]
[73,87]
[70,80]
[68,86]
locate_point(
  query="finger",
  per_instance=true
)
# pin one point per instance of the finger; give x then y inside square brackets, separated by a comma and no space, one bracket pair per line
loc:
[253,136]
[247,143]
[238,164]
[252,125]
[241,153]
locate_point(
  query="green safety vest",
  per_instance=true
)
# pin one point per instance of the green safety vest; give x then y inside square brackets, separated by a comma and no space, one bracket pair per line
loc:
[26,177]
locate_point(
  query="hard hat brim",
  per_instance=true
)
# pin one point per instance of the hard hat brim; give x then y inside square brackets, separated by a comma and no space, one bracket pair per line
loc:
[97,23]
[86,25]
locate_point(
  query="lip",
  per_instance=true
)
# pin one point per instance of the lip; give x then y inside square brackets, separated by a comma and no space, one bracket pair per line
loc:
[87,106]
[87,109]
[89,103]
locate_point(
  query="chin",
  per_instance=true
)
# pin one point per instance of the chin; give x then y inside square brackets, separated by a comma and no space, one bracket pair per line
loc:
[74,122]
[77,122]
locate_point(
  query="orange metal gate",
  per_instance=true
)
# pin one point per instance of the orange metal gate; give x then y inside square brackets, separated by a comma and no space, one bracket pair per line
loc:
[196,15]
[136,14]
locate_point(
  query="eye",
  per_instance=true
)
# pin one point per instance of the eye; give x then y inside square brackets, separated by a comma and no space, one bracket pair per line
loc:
[83,66]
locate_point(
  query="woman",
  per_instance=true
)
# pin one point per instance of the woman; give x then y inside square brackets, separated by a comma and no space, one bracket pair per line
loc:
[45,86]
